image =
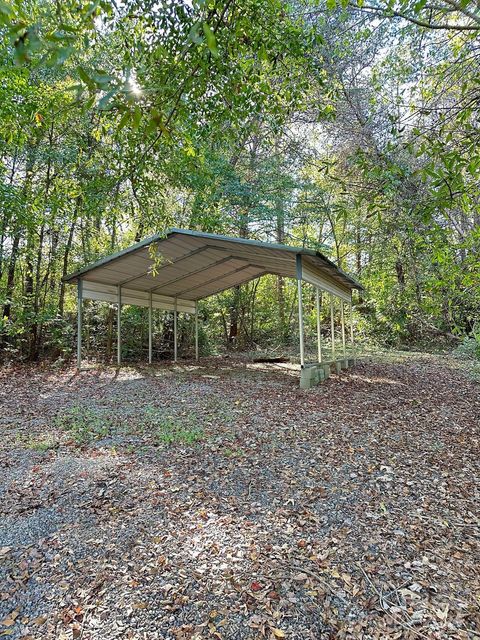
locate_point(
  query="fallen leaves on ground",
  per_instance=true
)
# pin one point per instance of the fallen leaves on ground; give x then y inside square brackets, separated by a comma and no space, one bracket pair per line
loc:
[348,511]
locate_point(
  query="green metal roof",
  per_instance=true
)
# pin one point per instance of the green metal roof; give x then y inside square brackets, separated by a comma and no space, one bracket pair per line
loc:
[159,237]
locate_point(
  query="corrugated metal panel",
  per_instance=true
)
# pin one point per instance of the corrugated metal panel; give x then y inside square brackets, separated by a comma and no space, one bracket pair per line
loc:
[129,268]
[172,272]
[108,293]
[240,278]
[196,265]
[324,282]
[228,265]
[160,265]
[117,272]
[254,252]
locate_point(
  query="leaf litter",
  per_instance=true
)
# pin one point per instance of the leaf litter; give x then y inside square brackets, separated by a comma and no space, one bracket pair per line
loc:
[348,511]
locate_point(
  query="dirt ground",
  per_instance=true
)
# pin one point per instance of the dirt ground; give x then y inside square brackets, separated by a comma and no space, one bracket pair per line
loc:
[221,501]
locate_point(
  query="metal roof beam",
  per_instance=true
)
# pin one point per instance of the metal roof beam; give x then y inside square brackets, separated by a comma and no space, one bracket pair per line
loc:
[224,275]
[236,284]
[193,253]
[241,258]
[192,273]
[170,262]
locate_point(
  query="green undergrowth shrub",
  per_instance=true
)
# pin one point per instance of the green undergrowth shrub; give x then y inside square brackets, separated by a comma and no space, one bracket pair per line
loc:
[475,372]
[469,348]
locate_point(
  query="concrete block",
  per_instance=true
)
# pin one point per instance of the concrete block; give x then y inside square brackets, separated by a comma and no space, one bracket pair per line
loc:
[331,366]
[338,367]
[307,378]
[304,382]
[311,376]
[326,371]
[351,362]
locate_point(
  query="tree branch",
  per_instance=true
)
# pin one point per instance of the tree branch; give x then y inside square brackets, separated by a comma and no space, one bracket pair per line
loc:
[390,13]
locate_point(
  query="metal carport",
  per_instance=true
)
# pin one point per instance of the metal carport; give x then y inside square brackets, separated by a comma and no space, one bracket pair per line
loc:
[175,269]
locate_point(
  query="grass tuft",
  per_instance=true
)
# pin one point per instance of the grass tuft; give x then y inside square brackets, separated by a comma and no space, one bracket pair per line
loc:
[171,429]
[85,425]
[41,445]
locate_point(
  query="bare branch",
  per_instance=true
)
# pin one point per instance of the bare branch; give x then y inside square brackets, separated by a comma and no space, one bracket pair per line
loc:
[450,26]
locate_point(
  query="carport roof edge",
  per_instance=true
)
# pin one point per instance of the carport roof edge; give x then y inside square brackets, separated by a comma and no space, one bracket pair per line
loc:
[159,237]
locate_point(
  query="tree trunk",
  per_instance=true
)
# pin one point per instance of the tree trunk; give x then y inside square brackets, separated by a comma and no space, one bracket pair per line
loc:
[109,343]
[400,274]
[280,238]
[243,233]
[6,216]
[17,234]
[35,333]
[66,254]
[7,307]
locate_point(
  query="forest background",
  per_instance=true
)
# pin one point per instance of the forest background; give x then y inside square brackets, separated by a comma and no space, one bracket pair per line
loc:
[348,127]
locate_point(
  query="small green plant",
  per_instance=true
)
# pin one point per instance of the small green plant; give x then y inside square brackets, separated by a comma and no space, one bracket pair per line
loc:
[475,372]
[84,424]
[170,429]
[469,348]
[41,445]
[234,453]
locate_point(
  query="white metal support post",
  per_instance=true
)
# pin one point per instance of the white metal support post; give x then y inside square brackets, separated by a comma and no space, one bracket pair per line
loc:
[150,328]
[300,311]
[352,343]
[79,321]
[175,331]
[196,330]
[119,325]
[319,332]
[332,325]
[342,316]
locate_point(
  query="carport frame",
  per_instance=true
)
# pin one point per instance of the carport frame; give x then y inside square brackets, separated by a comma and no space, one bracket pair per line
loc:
[95,281]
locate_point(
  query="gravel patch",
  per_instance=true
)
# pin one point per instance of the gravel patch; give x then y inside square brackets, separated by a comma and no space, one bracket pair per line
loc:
[348,511]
